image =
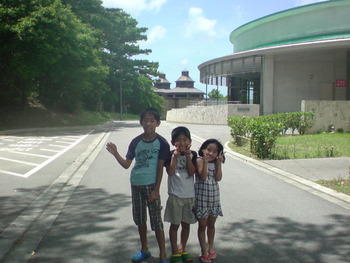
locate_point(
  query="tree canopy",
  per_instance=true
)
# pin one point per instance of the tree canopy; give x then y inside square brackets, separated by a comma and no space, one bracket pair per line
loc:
[215,94]
[68,53]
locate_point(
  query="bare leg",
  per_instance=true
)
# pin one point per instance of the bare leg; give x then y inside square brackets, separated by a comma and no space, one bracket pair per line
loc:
[202,225]
[143,237]
[211,233]
[173,238]
[161,244]
[185,232]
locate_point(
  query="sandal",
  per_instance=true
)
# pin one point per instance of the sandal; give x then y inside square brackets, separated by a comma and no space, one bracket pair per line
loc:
[186,257]
[212,255]
[176,258]
[140,256]
[204,259]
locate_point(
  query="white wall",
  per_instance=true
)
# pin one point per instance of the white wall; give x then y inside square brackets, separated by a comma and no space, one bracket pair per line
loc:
[327,113]
[307,76]
[217,114]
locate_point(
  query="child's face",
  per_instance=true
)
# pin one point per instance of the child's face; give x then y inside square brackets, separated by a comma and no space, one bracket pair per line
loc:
[149,123]
[182,143]
[211,152]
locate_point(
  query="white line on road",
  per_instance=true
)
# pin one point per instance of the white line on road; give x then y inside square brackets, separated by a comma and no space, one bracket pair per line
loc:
[63,142]
[55,145]
[18,161]
[55,156]
[32,225]
[31,154]
[49,150]
[11,173]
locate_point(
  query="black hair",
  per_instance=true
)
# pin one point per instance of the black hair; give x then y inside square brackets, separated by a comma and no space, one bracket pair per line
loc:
[210,141]
[152,111]
[180,130]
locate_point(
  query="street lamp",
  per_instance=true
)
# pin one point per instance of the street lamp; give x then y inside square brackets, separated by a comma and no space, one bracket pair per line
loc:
[121,98]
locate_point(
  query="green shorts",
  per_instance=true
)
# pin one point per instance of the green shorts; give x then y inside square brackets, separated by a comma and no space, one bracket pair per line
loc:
[179,210]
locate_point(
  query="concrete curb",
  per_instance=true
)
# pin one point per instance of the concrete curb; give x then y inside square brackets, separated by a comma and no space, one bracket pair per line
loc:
[298,181]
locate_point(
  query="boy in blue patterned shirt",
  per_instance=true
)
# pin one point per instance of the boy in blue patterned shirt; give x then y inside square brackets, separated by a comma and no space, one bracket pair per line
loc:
[150,151]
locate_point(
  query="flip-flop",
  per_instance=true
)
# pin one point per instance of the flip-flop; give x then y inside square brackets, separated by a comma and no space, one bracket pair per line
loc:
[140,256]
[204,259]
[176,258]
[212,255]
[186,257]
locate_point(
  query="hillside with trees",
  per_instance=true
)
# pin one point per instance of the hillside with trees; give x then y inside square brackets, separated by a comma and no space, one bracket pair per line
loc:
[71,54]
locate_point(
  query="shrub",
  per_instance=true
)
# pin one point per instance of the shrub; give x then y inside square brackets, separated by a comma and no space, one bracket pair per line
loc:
[263,131]
[239,128]
[264,134]
[306,120]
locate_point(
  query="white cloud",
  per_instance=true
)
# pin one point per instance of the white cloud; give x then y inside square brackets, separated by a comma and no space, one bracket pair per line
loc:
[155,34]
[198,23]
[184,61]
[135,7]
[306,2]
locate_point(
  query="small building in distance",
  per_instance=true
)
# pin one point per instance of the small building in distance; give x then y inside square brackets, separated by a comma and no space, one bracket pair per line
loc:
[182,95]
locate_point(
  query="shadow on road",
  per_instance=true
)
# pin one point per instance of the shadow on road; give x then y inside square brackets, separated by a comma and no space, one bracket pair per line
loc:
[92,227]
[284,240]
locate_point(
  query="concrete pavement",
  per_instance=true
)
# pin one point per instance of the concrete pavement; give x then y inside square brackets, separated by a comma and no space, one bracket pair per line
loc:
[255,203]
[315,169]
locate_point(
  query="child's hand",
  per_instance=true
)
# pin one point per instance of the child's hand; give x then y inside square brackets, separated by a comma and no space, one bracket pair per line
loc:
[188,149]
[112,148]
[154,196]
[177,151]
[221,158]
[205,155]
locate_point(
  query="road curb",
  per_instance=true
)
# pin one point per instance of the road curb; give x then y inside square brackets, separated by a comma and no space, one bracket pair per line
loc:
[296,180]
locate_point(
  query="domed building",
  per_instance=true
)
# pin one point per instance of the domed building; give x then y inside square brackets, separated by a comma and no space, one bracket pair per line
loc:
[284,59]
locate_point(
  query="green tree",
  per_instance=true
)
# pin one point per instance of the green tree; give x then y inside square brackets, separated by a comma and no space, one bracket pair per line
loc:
[215,94]
[53,53]
[119,36]
[71,51]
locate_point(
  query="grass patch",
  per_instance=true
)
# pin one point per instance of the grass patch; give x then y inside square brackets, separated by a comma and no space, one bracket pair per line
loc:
[39,117]
[309,146]
[305,146]
[312,146]
[339,185]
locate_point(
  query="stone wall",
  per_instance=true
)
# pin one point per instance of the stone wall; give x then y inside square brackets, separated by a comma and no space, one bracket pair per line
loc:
[328,112]
[217,114]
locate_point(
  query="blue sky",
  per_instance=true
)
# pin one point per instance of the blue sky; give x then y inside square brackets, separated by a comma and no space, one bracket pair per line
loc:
[185,33]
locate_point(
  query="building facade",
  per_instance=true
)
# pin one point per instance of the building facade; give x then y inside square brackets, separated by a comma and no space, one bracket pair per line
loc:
[182,95]
[287,57]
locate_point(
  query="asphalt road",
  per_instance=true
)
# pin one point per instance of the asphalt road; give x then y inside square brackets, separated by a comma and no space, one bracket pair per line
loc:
[77,207]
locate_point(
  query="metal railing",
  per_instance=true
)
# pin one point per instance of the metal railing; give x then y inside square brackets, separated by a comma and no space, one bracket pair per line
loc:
[211,102]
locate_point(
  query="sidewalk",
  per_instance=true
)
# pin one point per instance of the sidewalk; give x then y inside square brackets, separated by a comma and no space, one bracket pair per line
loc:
[315,169]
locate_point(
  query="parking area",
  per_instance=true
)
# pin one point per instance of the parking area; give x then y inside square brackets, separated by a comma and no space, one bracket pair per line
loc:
[23,155]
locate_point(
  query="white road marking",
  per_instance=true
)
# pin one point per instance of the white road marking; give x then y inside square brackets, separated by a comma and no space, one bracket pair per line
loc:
[8,140]
[18,161]
[38,218]
[63,142]
[55,145]
[11,173]
[55,156]
[49,150]
[31,154]
[22,147]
